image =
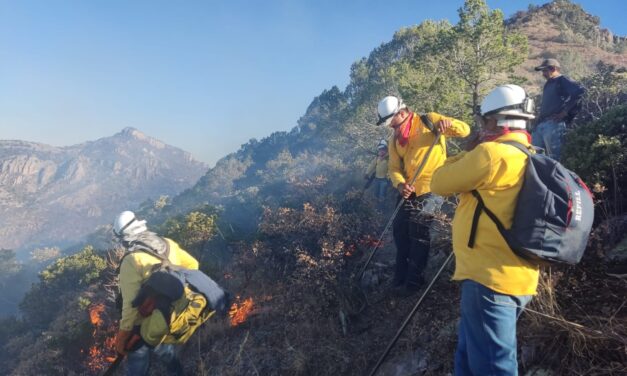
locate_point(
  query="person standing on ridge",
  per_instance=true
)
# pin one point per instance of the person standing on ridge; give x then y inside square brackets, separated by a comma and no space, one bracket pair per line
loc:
[378,170]
[560,104]
[496,284]
[407,148]
[135,269]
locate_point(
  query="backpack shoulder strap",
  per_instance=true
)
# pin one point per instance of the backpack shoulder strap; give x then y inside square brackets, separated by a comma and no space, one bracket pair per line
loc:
[427,122]
[475,219]
[145,248]
[481,205]
[518,146]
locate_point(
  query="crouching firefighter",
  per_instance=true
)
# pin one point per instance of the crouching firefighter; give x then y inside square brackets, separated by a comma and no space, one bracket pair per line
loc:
[165,298]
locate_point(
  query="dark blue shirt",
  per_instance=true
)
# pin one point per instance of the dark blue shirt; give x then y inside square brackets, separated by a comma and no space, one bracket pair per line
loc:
[560,94]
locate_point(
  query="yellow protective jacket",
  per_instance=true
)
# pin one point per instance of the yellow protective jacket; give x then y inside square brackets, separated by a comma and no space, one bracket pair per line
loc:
[404,160]
[496,171]
[379,166]
[135,269]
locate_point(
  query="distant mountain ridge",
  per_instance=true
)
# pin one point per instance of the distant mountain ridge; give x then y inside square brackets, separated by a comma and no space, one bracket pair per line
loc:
[55,195]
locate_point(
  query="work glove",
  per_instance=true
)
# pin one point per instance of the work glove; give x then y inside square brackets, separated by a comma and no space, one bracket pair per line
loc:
[121,339]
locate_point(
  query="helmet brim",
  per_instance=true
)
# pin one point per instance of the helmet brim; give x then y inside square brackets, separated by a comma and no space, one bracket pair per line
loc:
[385,121]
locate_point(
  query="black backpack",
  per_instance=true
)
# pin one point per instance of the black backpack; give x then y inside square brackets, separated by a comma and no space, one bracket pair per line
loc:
[168,280]
[553,216]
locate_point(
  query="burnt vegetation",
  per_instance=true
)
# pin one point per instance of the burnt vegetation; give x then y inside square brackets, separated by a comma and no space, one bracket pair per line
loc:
[284,224]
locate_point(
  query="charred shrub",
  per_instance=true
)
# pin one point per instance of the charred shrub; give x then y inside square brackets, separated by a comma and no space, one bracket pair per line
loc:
[309,248]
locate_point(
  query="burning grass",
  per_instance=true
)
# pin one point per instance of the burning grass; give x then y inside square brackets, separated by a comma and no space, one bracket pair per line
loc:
[101,353]
[240,310]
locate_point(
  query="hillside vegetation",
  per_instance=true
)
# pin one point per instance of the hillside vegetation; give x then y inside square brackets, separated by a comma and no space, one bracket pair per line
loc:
[284,224]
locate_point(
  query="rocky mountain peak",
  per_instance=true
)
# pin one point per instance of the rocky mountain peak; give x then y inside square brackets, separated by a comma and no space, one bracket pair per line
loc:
[133,134]
[82,186]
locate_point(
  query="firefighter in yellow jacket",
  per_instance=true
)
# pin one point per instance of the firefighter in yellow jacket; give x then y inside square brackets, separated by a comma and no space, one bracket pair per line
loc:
[135,269]
[378,172]
[496,283]
[407,148]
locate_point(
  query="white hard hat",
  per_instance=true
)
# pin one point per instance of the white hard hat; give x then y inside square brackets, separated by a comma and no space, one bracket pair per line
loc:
[508,100]
[387,108]
[126,224]
[382,144]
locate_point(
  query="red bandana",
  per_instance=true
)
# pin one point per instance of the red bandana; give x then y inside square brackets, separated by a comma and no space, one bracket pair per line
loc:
[488,137]
[402,132]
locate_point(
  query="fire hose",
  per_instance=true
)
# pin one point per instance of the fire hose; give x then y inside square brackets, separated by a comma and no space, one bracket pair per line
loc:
[421,167]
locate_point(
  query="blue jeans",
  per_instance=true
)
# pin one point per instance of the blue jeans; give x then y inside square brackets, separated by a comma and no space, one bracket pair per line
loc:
[138,361]
[487,332]
[549,136]
[381,188]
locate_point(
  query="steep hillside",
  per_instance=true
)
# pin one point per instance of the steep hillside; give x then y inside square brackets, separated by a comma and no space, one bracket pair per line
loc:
[563,30]
[256,175]
[291,215]
[55,195]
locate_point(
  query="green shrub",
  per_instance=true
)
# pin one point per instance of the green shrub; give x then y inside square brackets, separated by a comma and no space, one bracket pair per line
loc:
[58,282]
[193,230]
[597,152]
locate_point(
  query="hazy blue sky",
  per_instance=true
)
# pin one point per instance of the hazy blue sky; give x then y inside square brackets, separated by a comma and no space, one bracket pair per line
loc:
[205,76]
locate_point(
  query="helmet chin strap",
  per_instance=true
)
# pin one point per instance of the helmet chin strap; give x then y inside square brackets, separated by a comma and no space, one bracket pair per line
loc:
[121,232]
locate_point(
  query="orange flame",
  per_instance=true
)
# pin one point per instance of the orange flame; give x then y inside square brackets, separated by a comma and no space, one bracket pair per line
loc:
[350,250]
[370,241]
[99,355]
[367,241]
[239,312]
[94,315]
